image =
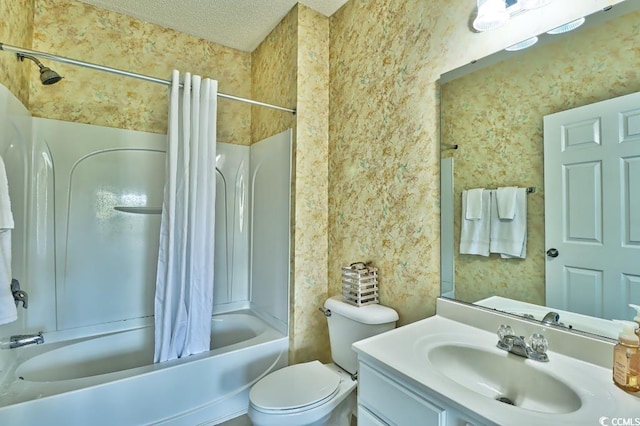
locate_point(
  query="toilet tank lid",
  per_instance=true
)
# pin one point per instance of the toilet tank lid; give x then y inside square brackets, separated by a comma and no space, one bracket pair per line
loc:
[369,314]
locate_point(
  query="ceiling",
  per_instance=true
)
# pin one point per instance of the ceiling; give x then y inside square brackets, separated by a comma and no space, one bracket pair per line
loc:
[240,24]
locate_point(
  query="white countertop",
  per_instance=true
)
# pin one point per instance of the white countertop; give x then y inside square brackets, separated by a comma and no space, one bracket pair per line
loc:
[404,352]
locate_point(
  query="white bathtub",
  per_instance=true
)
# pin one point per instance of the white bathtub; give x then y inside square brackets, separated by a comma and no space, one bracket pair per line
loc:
[109,379]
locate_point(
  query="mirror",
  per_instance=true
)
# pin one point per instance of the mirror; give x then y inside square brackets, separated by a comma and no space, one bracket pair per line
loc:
[493,111]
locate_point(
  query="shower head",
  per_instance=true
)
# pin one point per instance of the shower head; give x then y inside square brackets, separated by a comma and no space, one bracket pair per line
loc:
[47,75]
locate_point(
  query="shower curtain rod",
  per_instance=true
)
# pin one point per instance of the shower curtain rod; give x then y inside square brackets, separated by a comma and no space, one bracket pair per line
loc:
[64,60]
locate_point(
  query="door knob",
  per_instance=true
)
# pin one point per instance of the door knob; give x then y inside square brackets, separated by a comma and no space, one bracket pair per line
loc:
[553,252]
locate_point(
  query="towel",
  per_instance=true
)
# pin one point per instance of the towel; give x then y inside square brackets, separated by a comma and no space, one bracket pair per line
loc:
[506,199]
[474,234]
[6,218]
[8,312]
[509,237]
[473,210]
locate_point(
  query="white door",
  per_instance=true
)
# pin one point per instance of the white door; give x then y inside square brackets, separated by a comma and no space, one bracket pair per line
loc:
[592,207]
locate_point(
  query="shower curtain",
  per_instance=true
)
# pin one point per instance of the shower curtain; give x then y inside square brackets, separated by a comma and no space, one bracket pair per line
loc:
[184,283]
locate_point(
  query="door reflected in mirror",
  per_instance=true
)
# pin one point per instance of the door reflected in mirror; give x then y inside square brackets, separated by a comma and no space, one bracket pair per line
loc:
[495,116]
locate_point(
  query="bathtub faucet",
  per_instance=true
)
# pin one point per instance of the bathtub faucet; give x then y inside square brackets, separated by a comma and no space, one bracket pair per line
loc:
[25,339]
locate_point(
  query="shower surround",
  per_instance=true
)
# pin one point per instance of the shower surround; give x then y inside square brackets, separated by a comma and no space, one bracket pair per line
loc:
[290,68]
[87,207]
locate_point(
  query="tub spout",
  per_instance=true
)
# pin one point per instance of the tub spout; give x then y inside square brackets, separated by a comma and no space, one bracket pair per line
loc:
[25,339]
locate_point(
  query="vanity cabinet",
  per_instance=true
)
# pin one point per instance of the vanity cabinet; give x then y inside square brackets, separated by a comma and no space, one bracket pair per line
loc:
[385,398]
[446,370]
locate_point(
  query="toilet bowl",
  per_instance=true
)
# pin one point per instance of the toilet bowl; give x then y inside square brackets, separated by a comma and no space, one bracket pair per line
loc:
[303,394]
[316,394]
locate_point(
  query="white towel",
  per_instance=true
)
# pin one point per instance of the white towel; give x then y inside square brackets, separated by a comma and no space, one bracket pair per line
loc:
[8,312]
[506,198]
[473,210]
[509,237]
[474,234]
[6,218]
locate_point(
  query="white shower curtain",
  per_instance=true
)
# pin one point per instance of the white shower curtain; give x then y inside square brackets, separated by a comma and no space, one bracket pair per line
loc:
[184,283]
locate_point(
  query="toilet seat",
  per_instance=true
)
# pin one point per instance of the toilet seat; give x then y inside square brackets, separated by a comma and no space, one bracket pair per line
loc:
[295,388]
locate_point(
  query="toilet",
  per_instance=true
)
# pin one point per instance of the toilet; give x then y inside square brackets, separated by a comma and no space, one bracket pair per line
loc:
[313,393]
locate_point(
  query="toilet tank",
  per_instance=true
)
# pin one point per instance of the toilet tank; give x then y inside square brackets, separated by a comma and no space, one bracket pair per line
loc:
[349,324]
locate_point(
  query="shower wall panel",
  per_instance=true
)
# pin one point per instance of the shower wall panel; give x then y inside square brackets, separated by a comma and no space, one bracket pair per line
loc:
[101,189]
[15,141]
[232,227]
[105,200]
[270,224]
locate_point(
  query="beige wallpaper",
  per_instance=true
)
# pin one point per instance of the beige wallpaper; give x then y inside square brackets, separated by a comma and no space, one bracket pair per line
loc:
[385,61]
[495,115]
[16,30]
[273,78]
[310,334]
[383,173]
[80,31]
[293,63]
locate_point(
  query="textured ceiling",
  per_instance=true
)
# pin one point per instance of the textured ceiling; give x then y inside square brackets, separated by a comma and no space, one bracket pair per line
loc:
[240,24]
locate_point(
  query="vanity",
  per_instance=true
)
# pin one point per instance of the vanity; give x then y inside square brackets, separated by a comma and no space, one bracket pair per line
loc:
[447,370]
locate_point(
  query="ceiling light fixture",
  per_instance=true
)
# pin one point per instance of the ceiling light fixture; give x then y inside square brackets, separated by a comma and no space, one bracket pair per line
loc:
[569,26]
[492,14]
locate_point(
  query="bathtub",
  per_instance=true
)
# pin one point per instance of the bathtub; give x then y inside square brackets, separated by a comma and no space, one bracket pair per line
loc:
[109,378]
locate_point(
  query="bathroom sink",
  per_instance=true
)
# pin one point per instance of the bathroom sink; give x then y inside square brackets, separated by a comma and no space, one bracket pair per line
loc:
[504,377]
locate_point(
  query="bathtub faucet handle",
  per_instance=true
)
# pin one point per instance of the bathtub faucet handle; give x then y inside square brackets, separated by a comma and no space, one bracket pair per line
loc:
[19,295]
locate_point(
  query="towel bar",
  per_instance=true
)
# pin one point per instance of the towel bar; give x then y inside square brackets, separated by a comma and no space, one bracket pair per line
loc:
[530,189]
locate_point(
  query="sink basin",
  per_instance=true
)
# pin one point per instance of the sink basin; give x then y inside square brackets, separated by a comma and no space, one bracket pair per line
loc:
[504,377]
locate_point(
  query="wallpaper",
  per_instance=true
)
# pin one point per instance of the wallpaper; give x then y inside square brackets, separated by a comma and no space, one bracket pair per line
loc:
[309,326]
[293,64]
[385,61]
[383,180]
[495,115]
[14,74]
[273,78]
[80,31]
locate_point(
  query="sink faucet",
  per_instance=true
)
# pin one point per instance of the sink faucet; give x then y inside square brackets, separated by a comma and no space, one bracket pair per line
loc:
[25,339]
[551,318]
[535,350]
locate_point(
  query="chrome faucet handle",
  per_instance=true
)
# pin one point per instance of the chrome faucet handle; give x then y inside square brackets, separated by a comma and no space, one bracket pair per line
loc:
[19,295]
[15,285]
[505,337]
[539,345]
[504,331]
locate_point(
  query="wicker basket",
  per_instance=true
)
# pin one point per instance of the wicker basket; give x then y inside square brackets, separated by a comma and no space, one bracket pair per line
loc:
[360,284]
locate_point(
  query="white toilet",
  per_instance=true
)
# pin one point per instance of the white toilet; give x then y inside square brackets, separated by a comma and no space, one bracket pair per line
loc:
[313,393]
